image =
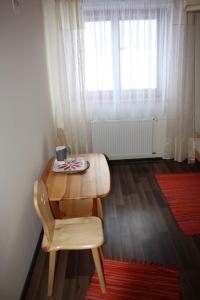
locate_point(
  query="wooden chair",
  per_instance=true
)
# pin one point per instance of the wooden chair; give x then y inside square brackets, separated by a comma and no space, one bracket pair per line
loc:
[67,234]
[77,207]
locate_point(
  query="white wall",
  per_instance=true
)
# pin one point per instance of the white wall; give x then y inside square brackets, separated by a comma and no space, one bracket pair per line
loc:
[26,138]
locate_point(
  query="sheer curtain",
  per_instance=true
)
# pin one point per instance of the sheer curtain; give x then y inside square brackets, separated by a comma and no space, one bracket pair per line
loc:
[126,58]
[129,59]
[180,98]
[65,57]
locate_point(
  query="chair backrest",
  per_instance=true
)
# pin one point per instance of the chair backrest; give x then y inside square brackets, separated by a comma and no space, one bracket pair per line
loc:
[41,203]
[60,138]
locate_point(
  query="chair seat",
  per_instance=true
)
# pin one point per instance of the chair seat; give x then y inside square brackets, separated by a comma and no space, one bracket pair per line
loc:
[76,233]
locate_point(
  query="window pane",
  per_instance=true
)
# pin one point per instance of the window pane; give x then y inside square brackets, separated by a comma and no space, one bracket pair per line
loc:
[98,57]
[138,54]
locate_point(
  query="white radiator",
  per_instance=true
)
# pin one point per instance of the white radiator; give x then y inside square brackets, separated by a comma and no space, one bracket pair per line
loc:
[123,139]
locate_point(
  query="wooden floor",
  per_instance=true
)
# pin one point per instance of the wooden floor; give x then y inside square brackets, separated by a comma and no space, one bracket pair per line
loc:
[138,226]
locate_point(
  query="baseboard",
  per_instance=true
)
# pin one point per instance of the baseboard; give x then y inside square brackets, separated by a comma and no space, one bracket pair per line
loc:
[29,275]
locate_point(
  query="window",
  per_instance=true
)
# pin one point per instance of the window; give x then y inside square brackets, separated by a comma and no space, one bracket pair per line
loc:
[123,54]
[98,56]
[138,52]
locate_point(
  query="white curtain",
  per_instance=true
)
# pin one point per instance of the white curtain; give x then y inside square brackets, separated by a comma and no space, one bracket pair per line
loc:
[129,59]
[126,58]
[180,98]
[65,57]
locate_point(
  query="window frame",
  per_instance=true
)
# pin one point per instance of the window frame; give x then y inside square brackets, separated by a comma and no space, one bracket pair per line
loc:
[130,95]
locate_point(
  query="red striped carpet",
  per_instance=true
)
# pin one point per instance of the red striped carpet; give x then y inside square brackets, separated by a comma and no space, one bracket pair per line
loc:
[182,192]
[134,281]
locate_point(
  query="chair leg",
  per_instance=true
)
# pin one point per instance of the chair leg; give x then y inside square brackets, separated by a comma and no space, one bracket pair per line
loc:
[99,269]
[52,262]
[101,253]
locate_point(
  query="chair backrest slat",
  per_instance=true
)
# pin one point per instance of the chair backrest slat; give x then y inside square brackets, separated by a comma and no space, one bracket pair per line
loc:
[60,138]
[42,207]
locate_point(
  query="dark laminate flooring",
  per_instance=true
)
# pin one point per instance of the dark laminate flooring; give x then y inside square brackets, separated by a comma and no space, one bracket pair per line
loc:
[138,226]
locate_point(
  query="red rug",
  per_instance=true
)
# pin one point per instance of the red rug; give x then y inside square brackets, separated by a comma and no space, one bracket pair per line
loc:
[134,281]
[182,192]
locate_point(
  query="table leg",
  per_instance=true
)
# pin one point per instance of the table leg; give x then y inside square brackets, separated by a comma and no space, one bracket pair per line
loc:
[97,208]
[57,213]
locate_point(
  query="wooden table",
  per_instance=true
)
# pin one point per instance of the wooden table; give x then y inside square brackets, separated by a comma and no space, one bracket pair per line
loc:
[94,183]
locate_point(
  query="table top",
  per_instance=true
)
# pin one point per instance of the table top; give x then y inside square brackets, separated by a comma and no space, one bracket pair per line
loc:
[92,183]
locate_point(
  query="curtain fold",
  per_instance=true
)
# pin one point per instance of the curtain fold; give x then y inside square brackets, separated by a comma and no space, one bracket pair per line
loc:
[180,98]
[65,58]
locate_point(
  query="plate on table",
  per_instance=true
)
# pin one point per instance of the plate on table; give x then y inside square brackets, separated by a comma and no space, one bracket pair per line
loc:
[71,165]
